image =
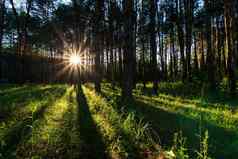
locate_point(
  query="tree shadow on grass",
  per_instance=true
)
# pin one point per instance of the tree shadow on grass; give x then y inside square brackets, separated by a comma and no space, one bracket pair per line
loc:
[212,113]
[93,146]
[22,130]
[131,146]
[165,124]
[8,88]
[190,91]
[70,140]
[18,99]
[69,144]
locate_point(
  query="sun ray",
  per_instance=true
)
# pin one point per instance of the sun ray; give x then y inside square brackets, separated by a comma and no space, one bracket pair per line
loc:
[75,60]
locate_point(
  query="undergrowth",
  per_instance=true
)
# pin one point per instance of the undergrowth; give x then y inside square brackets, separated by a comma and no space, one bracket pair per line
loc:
[56,121]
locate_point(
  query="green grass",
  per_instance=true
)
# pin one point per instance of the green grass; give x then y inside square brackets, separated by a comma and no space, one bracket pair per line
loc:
[53,121]
[55,134]
[124,135]
[20,109]
[180,107]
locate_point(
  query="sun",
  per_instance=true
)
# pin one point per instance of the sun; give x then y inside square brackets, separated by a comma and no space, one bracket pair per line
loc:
[75,60]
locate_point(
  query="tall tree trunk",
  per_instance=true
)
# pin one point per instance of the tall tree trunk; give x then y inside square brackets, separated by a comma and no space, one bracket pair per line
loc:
[19,66]
[165,61]
[179,24]
[19,41]
[175,57]
[128,49]
[195,55]
[134,22]
[188,26]
[26,23]
[219,47]
[111,59]
[143,45]
[98,32]
[2,16]
[235,31]
[210,55]
[202,61]
[107,57]
[120,63]
[111,43]
[171,52]
[161,53]
[153,46]
[230,27]
[143,65]
[25,39]
[2,21]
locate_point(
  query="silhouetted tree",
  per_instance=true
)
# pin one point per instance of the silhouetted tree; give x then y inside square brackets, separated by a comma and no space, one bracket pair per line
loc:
[128,48]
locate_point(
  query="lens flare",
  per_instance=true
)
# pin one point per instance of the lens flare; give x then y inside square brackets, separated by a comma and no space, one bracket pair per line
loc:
[75,60]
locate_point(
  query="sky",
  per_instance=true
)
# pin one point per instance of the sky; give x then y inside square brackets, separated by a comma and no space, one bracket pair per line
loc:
[19,2]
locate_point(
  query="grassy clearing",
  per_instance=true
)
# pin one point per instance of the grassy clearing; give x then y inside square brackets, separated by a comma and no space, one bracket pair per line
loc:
[125,135]
[190,113]
[53,121]
[19,110]
[55,134]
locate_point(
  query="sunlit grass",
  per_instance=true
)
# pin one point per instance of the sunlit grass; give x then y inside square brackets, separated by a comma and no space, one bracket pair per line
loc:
[47,121]
[51,120]
[105,118]
[22,107]
[10,88]
[56,133]
[219,115]
[125,134]
[188,112]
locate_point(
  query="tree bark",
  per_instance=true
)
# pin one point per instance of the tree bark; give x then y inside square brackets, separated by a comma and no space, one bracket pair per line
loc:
[128,49]
[189,4]
[153,46]
[219,47]
[26,23]
[2,22]
[179,21]
[195,55]
[19,42]
[210,55]
[202,61]
[98,33]
[175,58]
[231,41]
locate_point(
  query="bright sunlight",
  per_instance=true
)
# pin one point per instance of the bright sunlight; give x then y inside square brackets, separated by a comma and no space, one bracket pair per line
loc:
[75,60]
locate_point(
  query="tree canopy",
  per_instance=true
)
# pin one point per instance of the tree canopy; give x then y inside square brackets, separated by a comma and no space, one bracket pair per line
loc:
[128,41]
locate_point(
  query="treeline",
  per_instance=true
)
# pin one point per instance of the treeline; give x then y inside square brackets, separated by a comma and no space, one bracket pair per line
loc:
[130,41]
[41,69]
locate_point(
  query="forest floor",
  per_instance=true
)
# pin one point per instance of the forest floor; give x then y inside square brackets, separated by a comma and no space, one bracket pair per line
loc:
[52,121]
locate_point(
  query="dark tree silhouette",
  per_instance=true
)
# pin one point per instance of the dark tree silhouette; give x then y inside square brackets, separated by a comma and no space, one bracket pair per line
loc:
[124,42]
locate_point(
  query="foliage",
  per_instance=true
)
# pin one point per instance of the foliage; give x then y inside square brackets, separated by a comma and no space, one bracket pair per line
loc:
[179,147]
[55,121]
[203,154]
